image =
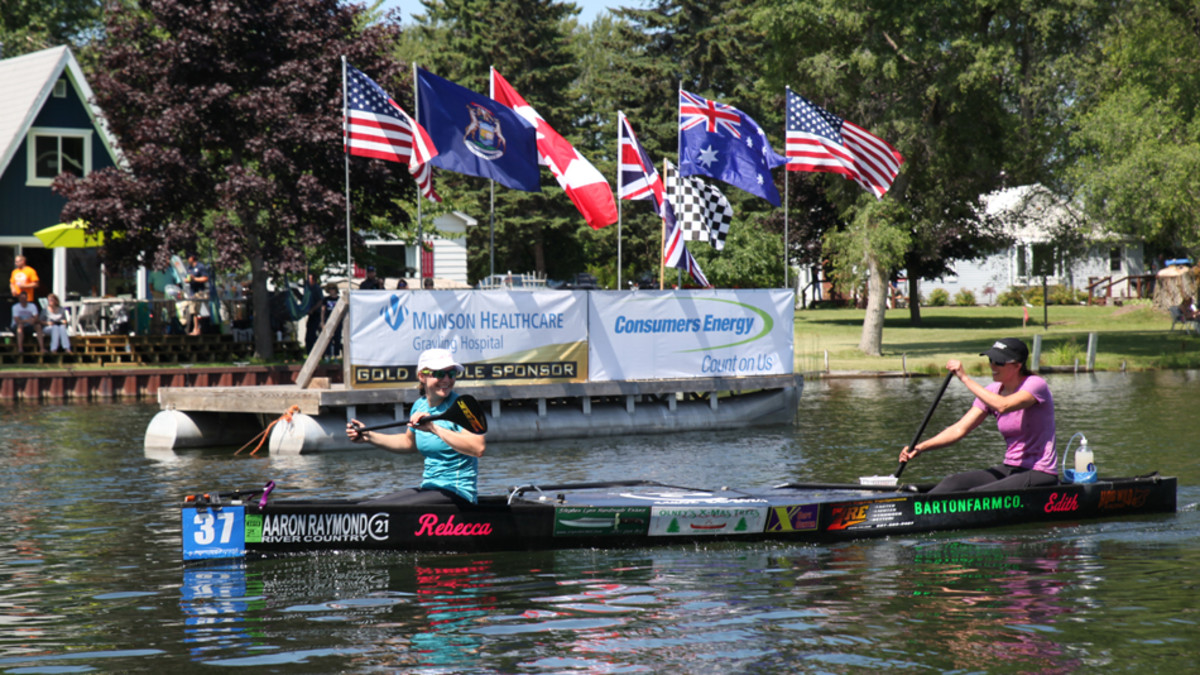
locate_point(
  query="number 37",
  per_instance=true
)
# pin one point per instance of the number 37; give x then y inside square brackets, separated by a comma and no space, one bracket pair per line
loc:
[206,532]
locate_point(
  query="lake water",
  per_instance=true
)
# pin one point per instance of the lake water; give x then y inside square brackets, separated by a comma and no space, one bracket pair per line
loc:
[91,578]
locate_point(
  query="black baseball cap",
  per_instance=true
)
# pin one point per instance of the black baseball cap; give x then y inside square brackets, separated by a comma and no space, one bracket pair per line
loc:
[370,268]
[1008,350]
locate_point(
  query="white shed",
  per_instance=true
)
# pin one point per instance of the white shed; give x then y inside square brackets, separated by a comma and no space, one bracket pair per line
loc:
[447,260]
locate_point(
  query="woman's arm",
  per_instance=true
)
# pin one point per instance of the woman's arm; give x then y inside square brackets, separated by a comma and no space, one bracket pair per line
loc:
[399,443]
[463,442]
[1018,400]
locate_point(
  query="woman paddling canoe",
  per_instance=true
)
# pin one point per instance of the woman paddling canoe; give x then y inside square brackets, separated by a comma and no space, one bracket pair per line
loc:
[1024,411]
[451,453]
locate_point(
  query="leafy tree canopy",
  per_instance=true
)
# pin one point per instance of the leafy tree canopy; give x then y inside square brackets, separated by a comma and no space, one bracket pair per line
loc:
[229,120]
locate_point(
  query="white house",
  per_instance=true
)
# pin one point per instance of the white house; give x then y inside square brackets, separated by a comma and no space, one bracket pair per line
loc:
[1030,213]
[447,260]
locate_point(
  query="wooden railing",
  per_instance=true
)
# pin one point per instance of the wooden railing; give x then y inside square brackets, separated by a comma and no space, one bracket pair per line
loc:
[109,350]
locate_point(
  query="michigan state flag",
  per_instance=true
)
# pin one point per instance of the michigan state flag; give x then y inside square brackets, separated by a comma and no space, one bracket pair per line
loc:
[476,135]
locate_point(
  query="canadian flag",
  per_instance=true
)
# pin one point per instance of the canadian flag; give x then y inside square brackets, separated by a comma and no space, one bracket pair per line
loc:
[586,186]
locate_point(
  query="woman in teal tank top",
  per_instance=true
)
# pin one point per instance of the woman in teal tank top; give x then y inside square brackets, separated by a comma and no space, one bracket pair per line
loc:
[451,453]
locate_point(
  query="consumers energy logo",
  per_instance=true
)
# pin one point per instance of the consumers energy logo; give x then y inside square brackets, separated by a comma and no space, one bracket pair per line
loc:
[394,313]
[753,327]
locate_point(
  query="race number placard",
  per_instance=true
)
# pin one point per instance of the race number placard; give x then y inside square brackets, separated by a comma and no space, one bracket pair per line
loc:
[501,337]
[214,532]
[647,335]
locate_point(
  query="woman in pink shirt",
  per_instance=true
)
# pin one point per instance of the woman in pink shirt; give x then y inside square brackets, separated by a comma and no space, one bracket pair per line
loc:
[1024,411]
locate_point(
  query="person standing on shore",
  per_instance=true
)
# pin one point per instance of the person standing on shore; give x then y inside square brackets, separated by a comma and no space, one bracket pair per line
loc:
[24,279]
[1024,411]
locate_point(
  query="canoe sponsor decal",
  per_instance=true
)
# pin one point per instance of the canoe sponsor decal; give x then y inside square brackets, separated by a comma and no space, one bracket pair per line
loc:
[938,507]
[1112,500]
[881,514]
[429,525]
[585,521]
[1062,503]
[315,528]
[706,520]
[798,518]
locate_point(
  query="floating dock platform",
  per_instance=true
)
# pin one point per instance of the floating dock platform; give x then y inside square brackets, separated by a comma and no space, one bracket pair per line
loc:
[305,420]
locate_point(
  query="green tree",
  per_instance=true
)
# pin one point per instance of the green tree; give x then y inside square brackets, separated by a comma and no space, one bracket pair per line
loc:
[1138,139]
[229,119]
[961,89]
[32,25]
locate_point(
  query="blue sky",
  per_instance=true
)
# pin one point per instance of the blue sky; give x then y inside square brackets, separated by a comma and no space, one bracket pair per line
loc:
[588,9]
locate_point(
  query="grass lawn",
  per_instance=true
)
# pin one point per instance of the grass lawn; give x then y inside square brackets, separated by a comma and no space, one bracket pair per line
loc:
[1135,337]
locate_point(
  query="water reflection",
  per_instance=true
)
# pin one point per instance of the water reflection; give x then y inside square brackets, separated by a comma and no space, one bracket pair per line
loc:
[91,577]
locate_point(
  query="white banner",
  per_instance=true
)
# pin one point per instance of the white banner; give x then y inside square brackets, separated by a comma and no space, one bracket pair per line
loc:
[645,335]
[526,337]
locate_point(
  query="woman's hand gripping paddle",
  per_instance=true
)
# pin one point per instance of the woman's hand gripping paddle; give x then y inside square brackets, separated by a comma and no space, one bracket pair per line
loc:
[466,412]
[893,479]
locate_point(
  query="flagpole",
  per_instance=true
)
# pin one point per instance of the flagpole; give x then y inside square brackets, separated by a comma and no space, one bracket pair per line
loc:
[785,194]
[491,195]
[663,236]
[620,137]
[346,157]
[420,223]
[678,167]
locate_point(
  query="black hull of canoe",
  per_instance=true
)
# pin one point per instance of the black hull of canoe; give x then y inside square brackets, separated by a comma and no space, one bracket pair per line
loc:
[617,515]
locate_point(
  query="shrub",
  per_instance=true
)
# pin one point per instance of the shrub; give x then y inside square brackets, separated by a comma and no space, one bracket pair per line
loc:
[939,297]
[964,298]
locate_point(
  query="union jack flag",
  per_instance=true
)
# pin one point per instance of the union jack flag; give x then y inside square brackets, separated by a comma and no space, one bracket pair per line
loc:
[377,127]
[694,111]
[639,180]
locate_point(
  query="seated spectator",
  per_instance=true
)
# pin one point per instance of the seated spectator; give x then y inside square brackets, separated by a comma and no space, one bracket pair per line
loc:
[54,321]
[1187,309]
[25,319]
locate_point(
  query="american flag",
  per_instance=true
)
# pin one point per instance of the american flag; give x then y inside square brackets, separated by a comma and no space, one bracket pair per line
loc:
[818,140]
[376,126]
[639,180]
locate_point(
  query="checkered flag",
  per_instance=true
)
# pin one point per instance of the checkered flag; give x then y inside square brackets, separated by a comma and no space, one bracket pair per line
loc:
[701,210]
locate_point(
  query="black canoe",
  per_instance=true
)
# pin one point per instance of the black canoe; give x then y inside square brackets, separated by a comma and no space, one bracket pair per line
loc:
[640,513]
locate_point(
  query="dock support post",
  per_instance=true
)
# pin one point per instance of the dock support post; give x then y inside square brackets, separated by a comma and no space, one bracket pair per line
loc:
[629,405]
[712,401]
[1093,339]
[587,405]
[541,407]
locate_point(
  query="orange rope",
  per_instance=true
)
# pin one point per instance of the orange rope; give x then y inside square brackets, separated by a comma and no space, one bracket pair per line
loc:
[262,435]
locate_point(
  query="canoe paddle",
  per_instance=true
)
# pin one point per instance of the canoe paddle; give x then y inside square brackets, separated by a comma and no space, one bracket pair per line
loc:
[921,429]
[466,412]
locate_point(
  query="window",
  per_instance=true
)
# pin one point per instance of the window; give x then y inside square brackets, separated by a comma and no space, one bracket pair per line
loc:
[1114,259]
[60,89]
[55,151]
[1043,260]
[1022,263]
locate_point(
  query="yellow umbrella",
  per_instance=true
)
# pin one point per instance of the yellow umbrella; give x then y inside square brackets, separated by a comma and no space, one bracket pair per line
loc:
[69,235]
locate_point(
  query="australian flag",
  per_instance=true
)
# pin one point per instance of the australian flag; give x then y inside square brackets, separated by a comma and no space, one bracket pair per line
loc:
[476,135]
[722,142]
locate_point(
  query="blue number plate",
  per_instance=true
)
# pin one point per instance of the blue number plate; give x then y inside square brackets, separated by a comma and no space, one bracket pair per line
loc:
[214,532]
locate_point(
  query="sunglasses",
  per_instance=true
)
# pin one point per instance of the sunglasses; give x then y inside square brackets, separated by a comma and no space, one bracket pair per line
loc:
[439,374]
[1000,363]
